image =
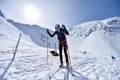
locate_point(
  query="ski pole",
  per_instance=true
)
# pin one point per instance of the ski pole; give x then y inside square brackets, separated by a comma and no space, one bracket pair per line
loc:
[69,58]
[47,49]
[17,44]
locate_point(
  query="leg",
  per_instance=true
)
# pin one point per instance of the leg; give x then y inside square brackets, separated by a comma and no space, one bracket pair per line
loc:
[66,55]
[60,52]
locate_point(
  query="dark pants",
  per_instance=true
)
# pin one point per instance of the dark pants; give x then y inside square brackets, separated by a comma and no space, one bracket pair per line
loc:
[65,52]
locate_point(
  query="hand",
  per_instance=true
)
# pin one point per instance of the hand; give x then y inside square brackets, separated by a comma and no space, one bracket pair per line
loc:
[63,26]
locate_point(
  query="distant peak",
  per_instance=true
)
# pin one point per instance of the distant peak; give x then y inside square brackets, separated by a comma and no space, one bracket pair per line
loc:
[1,14]
[105,26]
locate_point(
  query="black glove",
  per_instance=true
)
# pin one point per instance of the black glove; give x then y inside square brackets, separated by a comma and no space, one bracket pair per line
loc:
[63,26]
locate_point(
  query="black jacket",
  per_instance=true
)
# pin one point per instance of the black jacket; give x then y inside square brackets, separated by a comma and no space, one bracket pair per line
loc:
[60,34]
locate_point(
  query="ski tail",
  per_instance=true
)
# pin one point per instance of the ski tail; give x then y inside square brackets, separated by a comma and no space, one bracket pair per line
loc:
[54,53]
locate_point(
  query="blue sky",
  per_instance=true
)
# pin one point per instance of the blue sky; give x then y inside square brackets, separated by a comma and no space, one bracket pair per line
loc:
[68,12]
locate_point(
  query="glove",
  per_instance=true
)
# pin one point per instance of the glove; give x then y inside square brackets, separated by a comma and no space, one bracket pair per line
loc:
[63,26]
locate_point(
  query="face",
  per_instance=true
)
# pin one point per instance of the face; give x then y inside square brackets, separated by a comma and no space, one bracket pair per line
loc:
[57,29]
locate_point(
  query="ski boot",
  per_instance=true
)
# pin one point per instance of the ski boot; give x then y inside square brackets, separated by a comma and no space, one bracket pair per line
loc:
[61,64]
[67,64]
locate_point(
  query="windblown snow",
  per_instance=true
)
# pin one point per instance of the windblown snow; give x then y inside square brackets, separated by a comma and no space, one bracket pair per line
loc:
[91,45]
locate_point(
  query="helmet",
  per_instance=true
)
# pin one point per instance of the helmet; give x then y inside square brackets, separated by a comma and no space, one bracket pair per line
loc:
[57,26]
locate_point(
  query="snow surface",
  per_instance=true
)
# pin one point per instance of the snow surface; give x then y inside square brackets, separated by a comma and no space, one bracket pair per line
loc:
[91,46]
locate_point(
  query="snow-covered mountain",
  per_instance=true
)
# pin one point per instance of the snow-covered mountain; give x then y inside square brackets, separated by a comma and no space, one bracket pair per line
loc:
[100,38]
[91,46]
[33,33]
[1,14]
[36,33]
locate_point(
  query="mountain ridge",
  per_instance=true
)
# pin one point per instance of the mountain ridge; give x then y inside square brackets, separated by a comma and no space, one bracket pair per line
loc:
[97,37]
[1,14]
[36,33]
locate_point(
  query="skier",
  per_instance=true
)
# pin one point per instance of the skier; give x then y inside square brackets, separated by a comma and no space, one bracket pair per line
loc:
[61,31]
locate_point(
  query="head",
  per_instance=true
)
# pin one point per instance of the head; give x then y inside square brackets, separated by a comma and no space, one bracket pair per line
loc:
[57,27]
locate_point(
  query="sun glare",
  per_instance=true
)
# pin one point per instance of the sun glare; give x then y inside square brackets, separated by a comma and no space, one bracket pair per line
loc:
[31,12]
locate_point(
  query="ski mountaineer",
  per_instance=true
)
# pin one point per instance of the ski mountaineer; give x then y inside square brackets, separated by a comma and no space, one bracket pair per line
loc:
[60,32]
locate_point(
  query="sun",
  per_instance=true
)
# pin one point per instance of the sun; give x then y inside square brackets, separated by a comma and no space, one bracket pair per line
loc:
[31,12]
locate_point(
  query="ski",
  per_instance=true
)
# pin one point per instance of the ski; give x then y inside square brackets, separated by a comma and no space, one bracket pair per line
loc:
[54,53]
[63,67]
[67,73]
[50,76]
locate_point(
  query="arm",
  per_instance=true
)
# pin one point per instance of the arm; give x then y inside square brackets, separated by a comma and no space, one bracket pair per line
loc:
[51,35]
[65,30]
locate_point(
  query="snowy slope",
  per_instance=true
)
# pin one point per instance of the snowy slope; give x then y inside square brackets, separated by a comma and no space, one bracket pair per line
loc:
[6,33]
[101,38]
[36,33]
[33,33]
[9,35]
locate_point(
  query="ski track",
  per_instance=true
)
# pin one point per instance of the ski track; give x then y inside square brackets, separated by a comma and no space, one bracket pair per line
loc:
[98,70]
[33,66]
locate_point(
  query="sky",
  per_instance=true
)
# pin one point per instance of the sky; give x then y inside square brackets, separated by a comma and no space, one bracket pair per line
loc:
[51,12]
